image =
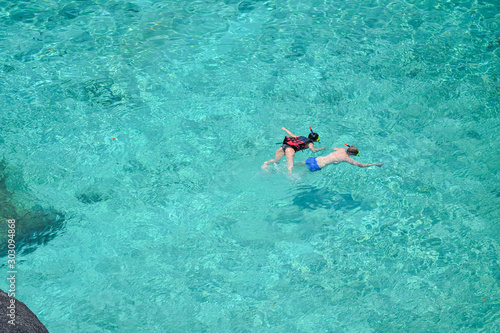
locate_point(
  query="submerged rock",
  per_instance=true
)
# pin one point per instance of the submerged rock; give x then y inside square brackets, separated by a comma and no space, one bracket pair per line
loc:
[34,224]
[90,197]
[313,198]
[17,317]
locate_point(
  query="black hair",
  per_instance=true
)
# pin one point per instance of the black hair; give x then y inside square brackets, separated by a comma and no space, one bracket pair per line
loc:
[314,137]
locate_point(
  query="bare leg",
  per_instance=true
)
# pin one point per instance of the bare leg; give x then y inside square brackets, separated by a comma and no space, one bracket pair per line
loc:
[277,157]
[290,153]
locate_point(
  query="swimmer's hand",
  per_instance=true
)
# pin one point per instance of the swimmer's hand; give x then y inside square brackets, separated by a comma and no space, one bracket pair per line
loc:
[379,164]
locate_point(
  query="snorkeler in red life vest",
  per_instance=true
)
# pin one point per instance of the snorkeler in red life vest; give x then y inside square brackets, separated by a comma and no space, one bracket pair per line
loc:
[292,144]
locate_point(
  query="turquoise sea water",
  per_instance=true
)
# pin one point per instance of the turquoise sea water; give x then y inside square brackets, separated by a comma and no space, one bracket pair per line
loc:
[173,227]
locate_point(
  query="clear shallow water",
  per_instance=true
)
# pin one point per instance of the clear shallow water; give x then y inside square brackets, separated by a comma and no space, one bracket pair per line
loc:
[190,235]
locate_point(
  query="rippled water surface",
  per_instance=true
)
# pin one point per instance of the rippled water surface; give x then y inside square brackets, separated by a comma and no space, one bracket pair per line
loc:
[146,122]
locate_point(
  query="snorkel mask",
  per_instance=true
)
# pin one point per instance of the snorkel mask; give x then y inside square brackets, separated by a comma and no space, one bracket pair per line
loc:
[313,136]
[348,146]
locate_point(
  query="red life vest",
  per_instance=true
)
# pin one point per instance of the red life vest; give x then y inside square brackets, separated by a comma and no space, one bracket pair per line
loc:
[297,143]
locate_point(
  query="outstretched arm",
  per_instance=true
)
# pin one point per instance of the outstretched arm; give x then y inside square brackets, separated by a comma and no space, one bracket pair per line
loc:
[288,132]
[311,146]
[362,165]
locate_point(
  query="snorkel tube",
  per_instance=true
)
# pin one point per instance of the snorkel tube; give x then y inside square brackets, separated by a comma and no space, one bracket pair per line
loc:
[348,146]
[314,133]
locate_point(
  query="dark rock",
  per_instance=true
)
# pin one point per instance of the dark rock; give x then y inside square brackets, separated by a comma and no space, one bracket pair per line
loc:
[245,7]
[473,134]
[90,198]
[24,319]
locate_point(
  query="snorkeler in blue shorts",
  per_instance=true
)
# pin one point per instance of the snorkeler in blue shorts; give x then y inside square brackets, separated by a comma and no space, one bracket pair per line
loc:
[339,155]
[312,164]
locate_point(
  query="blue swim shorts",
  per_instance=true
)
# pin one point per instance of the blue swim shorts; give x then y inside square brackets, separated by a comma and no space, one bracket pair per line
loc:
[312,164]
